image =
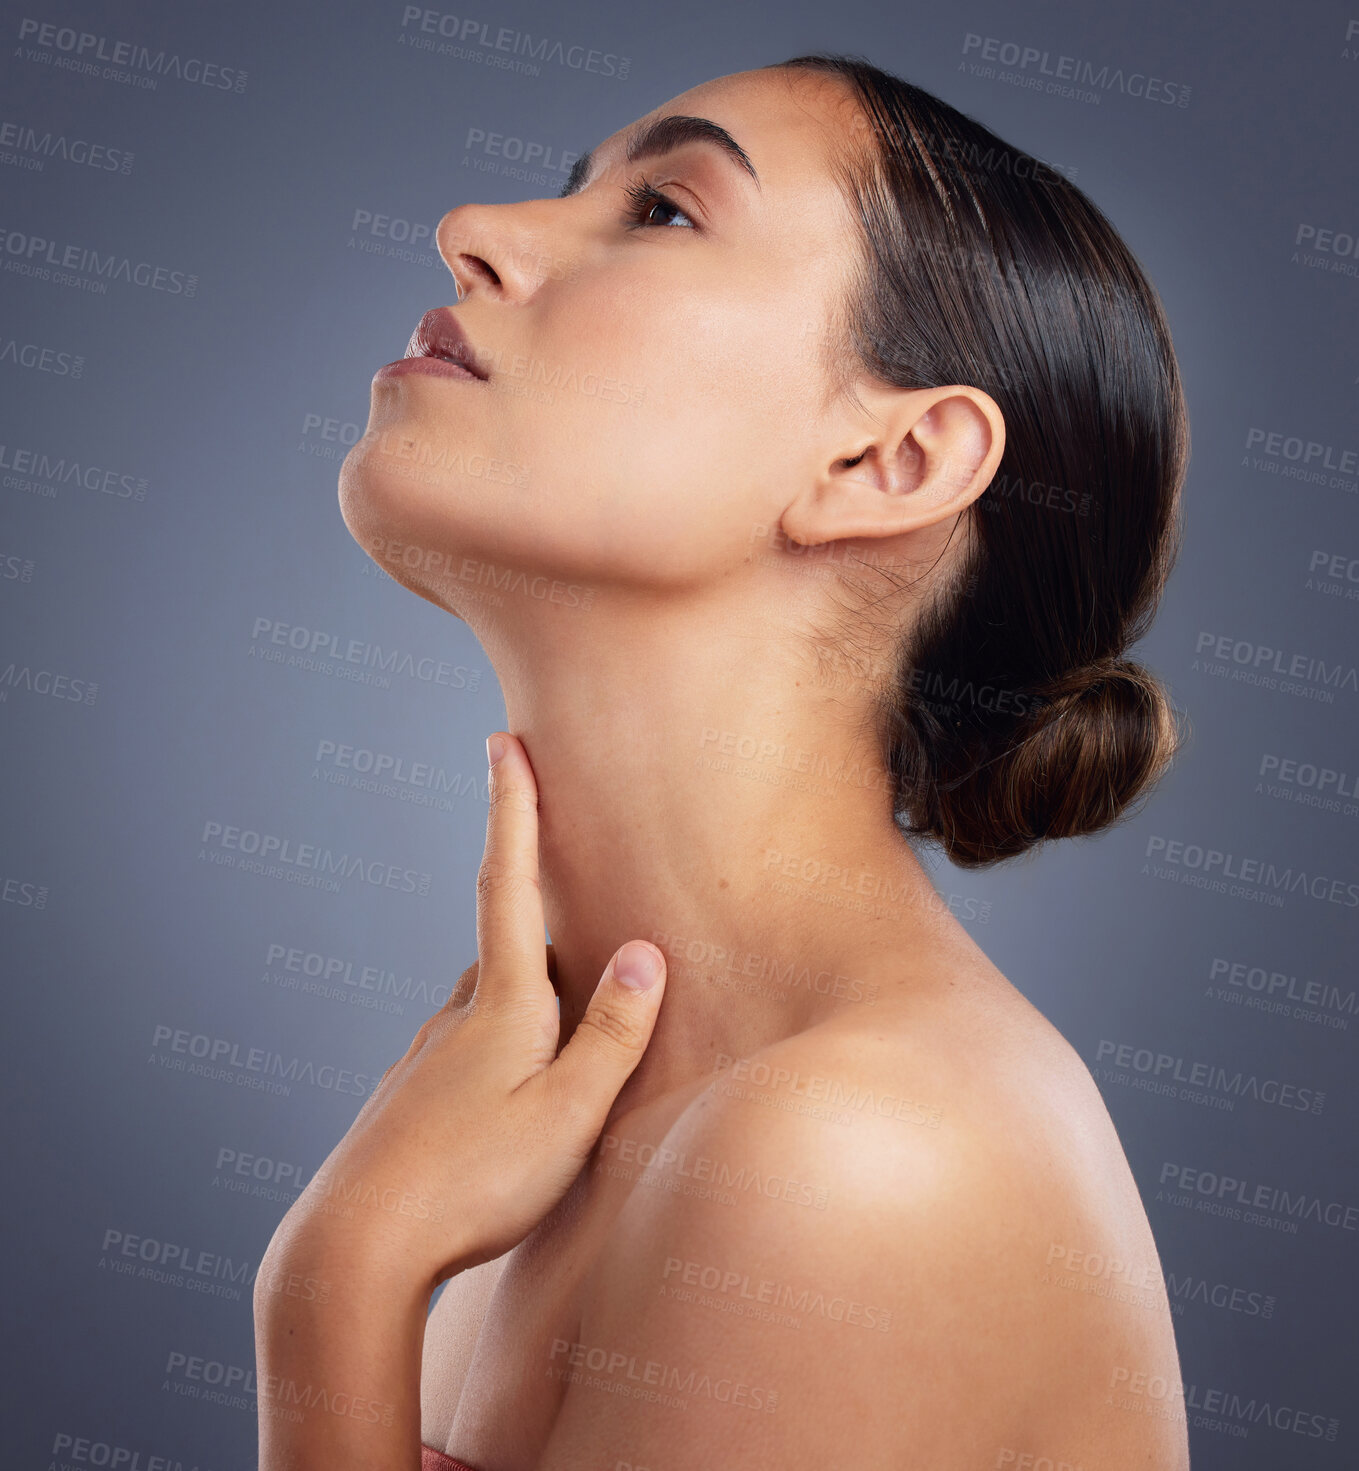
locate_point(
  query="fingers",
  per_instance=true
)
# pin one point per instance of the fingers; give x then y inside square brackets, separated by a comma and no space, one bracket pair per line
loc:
[465,986]
[464,989]
[612,1035]
[510,929]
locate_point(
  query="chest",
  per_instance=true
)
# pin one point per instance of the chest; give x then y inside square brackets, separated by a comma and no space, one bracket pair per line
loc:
[498,1340]
[497,1343]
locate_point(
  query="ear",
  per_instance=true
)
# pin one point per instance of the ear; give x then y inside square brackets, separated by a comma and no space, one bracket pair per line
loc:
[917,456]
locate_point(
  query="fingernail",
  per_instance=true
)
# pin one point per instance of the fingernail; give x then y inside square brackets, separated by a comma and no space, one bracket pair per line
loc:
[637,967]
[496,746]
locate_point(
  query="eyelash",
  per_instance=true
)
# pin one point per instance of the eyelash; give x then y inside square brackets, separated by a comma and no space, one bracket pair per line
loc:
[643,197]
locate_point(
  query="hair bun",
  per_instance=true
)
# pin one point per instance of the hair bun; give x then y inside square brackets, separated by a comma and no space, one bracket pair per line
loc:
[998,733]
[1110,678]
[1091,742]
[1094,740]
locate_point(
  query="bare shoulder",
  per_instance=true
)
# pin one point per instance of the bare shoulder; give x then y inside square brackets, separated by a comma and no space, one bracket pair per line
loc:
[877,1234]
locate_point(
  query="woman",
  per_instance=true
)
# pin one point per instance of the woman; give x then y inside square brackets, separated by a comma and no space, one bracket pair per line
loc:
[804,469]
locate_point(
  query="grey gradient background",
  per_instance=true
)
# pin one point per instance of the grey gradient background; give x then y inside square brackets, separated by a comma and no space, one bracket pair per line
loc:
[115,922]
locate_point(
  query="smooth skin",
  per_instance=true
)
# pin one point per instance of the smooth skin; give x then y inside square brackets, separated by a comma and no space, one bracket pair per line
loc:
[928,1240]
[462,1148]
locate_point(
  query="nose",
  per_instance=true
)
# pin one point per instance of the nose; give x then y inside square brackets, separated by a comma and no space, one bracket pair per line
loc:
[499,249]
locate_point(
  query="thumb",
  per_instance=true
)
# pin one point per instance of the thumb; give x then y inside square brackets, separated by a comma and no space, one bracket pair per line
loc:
[613,1033]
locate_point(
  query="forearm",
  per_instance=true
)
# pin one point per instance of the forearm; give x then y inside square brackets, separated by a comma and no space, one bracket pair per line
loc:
[338,1348]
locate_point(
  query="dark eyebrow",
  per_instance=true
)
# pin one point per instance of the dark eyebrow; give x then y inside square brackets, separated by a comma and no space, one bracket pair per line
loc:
[661,136]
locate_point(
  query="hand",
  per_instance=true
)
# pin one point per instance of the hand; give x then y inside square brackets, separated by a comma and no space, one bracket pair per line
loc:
[477,1132]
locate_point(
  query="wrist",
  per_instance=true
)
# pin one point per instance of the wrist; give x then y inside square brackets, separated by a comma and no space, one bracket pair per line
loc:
[338,1343]
[320,1263]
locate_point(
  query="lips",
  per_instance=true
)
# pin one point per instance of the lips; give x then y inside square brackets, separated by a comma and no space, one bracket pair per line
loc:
[439,335]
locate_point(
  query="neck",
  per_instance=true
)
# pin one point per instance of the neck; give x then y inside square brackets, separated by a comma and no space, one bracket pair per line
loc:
[716,787]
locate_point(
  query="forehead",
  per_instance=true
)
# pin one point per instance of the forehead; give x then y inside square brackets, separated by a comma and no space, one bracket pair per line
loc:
[795,125]
[815,114]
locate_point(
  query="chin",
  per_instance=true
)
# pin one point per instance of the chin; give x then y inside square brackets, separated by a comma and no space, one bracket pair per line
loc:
[398,511]
[428,528]
[373,504]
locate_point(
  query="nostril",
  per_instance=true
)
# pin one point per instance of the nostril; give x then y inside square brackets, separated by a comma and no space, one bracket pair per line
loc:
[478,267]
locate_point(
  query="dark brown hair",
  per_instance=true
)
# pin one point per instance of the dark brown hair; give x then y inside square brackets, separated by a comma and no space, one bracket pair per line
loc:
[1014,716]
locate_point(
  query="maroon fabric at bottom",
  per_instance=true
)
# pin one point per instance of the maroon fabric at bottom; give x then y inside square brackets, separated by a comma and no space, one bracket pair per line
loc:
[432,1460]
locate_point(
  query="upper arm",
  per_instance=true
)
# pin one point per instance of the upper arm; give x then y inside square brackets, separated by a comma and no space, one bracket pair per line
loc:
[790,1290]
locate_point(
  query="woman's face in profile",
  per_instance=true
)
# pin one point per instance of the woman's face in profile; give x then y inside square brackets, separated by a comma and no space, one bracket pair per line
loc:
[656,369]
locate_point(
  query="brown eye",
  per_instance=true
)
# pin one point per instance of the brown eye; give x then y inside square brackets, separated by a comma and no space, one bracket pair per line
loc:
[649,207]
[663,205]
